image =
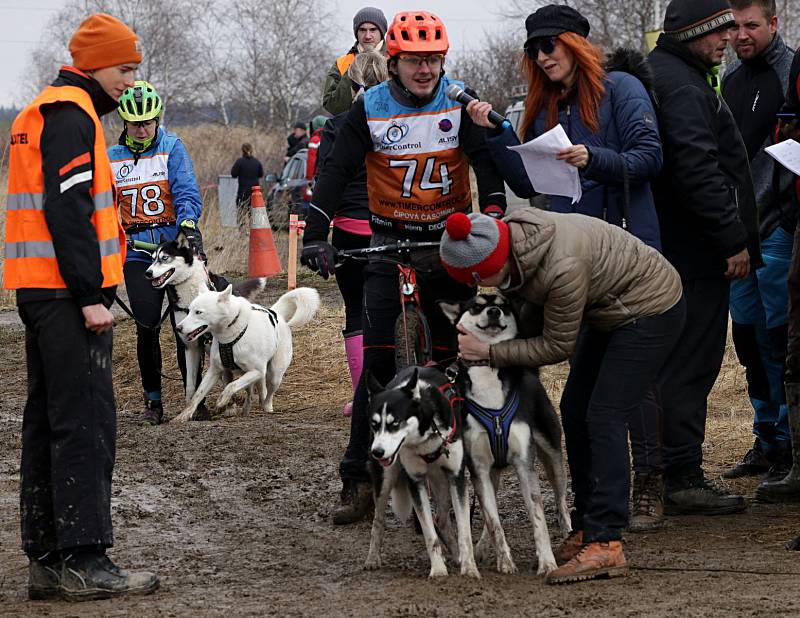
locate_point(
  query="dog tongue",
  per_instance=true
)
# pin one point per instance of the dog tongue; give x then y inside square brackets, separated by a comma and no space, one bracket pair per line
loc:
[386,462]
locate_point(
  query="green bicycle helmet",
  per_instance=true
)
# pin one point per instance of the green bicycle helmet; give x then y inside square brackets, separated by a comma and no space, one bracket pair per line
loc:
[318,122]
[140,103]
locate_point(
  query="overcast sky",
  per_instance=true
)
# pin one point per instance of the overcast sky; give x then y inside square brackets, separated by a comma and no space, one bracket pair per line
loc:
[23,22]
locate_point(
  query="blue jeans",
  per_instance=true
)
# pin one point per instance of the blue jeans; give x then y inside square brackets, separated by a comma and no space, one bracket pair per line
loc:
[758,306]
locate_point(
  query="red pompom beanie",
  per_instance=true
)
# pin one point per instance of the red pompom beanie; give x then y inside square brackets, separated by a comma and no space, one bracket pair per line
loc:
[474,247]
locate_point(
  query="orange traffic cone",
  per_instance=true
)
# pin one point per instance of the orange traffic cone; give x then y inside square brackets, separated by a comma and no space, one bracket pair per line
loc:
[263,260]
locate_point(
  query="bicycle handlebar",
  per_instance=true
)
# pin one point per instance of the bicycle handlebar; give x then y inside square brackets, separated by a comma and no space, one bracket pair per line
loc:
[400,247]
[142,245]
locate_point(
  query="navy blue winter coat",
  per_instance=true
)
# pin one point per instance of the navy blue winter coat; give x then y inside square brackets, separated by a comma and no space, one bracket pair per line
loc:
[628,138]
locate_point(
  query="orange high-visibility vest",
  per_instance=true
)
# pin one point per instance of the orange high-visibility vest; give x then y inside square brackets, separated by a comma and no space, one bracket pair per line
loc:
[343,62]
[30,260]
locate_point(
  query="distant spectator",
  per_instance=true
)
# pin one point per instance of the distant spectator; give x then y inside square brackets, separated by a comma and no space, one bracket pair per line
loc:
[317,123]
[369,27]
[297,139]
[249,171]
[709,231]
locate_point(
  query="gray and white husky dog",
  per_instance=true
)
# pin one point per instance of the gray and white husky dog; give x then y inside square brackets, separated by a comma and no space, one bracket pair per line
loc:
[177,268]
[509,420]
[416,423]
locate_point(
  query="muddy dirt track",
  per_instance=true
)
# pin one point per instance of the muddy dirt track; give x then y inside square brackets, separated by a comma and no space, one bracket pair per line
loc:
[233,514]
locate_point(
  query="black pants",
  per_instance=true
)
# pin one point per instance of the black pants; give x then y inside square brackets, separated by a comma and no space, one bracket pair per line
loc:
[350,278]
[690,373]
[793,346]
[147,305]
[381,308]
[609,378]
[68,430]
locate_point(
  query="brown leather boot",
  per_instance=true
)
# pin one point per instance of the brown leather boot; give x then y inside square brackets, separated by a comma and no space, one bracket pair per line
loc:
[356,503]
[592,561]
[569,547]
[648,502]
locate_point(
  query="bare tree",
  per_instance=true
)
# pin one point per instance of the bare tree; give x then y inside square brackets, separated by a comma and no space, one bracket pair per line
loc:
[492,69]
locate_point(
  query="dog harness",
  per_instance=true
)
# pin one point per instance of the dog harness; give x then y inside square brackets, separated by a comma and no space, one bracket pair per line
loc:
[497,424]
[226,349]
[452,398]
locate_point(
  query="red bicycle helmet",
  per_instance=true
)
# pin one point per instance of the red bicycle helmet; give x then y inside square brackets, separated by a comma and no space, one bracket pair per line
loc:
[416,32]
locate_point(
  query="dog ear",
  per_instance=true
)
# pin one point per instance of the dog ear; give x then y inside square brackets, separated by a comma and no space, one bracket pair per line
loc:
[412,386]
[225,295]
[373,386]
[451,310]
[181,240]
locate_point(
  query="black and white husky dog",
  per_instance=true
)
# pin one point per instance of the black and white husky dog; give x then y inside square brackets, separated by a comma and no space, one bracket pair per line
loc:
[177,267]
[416,422]
[509,420]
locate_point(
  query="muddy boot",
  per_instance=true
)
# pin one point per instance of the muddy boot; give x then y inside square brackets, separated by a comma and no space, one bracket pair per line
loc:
[592,561]
[44,579]
[89,576]
[648,502]
[569,547]
[692,493]
[753,463]
[788,488]
[153,412]
[356,503]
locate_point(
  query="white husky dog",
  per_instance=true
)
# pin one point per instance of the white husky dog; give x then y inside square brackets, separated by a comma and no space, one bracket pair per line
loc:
[248,339]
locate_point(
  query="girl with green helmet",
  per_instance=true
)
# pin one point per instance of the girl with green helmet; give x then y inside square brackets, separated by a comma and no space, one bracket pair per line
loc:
[158,198]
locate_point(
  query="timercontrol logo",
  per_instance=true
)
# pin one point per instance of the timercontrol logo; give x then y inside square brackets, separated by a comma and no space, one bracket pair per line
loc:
[394,134]
[124,171]
[445,125]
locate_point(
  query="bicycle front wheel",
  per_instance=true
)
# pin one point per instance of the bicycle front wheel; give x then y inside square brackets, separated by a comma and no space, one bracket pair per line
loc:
[412,337]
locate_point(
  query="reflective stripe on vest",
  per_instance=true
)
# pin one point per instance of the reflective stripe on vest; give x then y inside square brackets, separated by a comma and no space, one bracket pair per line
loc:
[343,62]
[30,254]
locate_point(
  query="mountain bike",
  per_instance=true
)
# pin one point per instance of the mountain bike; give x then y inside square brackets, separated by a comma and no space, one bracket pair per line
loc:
[412,334]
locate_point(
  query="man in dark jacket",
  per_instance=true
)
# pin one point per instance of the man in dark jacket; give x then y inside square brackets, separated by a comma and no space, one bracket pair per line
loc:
[706,207]
[297,139]
[754,87]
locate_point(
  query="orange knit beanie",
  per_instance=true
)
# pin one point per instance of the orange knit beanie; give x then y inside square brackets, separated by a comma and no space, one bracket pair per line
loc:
[103,41]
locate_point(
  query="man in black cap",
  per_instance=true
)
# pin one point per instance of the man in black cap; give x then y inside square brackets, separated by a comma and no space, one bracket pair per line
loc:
[369,27]
[297,139]
[709,231]
[754,88]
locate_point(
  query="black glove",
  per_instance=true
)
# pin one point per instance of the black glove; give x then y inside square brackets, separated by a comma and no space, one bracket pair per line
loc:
[319,256]
[193,236]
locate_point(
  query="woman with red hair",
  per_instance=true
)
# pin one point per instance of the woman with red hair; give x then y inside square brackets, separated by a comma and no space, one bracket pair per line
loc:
[608,116]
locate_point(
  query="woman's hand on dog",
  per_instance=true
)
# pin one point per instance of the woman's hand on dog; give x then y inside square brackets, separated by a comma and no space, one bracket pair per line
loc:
[471,348]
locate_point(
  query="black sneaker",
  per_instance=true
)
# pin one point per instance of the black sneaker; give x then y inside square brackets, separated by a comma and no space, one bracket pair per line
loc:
[44,580]
[89,576]
[694,494]
[753,463]
[356,503]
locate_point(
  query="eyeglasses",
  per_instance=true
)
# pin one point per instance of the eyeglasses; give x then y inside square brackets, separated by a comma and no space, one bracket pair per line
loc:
[416,61]
[546,45]
[143,124]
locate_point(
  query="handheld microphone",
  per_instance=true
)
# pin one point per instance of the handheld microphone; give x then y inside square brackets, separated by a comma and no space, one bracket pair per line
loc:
[456,93]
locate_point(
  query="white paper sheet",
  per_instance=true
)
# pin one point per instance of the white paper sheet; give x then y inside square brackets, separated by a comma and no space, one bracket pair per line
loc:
[547,175]
[787,154]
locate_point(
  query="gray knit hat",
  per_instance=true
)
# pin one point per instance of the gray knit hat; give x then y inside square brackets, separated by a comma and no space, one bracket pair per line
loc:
[474,247]
[370,15]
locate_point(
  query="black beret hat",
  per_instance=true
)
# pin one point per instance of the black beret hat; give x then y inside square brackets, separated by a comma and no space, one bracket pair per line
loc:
[554,19]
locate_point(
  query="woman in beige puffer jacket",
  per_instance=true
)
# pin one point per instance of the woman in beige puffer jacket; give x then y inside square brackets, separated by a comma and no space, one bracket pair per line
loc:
[579,269]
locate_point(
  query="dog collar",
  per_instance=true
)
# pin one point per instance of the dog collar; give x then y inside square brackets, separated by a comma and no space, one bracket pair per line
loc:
[449,393]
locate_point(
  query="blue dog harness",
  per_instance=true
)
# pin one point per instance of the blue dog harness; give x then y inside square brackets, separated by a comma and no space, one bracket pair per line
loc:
[497,424]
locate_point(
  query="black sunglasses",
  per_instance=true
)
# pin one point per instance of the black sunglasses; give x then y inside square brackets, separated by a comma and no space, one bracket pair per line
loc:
[545,44]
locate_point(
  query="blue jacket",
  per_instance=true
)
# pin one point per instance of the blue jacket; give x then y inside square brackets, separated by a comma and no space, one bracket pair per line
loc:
[628,136]
[182,185]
